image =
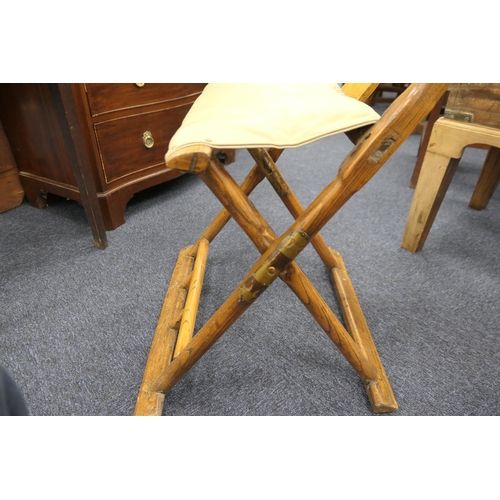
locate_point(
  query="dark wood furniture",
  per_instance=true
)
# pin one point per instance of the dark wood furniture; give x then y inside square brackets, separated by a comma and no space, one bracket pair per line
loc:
[381,93]
[72,139]
[11,191]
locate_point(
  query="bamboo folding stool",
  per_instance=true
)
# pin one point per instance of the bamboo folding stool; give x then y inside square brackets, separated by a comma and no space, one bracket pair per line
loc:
[265,120]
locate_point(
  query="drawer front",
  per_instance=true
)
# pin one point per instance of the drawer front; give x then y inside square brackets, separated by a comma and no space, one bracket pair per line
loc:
[108,97]
[121,142]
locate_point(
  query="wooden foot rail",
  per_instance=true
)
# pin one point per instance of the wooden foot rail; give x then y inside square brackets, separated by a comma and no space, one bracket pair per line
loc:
[188,320]
[175,326]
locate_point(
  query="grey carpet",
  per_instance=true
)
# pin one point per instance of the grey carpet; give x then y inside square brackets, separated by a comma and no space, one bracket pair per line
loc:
[77,322]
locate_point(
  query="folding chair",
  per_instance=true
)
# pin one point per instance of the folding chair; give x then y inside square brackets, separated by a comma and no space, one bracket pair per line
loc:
[265,119]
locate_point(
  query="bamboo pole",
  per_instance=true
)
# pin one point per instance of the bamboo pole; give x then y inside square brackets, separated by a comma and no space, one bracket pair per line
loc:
[188,320]
[251,181]
[381,394]
[150,402]
[360,91]
[383,399]
[290,200]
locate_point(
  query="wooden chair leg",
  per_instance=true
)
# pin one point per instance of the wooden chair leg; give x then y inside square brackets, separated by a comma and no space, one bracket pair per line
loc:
[488,180]
[251,181]
[269,168]
[424,143]
[261,234]
[434,180]
[381,394]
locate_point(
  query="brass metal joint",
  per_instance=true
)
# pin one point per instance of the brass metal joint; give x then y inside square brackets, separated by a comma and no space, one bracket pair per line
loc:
[272,267]
[294,244]
[384,147]
[269,169]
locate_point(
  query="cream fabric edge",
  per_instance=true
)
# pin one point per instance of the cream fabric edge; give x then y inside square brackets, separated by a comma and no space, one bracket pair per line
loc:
[223,105]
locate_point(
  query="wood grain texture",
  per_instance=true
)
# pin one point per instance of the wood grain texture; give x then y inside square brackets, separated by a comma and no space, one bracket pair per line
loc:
[192,159]
[121,148]
[188,320]
[448,140]
[149,401]
[34,132]
[378,387]
[360,91]
[269,168]
[379,390]
[451,137]
[370,153]
[426,134]
[63,99]
[435,177]
[111,127]
[106,98]
[263,236]
[477,103]
[488,180]
[11,190]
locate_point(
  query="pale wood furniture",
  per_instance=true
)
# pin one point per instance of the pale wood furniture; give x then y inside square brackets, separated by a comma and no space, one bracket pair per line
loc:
[73,139]
[256,125]
[472,117]
[426,130]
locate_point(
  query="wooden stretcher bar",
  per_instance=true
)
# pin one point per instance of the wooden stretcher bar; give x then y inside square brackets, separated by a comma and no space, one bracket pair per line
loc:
[176,324]
[190,311]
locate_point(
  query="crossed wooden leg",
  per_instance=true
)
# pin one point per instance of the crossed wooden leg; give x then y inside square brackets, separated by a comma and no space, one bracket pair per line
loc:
[187,281]
[165,368]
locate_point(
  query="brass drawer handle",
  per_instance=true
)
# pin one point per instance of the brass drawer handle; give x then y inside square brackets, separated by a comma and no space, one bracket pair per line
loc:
[140,85]
[147,139]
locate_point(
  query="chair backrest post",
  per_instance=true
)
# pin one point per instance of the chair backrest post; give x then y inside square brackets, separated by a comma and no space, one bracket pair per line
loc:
[360,91]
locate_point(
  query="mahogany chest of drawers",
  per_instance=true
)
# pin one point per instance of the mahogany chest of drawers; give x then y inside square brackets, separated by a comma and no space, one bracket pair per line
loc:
[125,129]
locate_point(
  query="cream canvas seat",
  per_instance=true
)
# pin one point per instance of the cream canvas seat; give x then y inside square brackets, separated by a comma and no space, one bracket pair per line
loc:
[275,115]
[265,119]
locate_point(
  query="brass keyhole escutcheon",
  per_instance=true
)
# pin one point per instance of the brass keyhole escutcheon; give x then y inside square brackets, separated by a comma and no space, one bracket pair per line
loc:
[147,139]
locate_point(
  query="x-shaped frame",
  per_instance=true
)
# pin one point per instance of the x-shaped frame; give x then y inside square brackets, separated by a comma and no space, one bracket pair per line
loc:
[175,349]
